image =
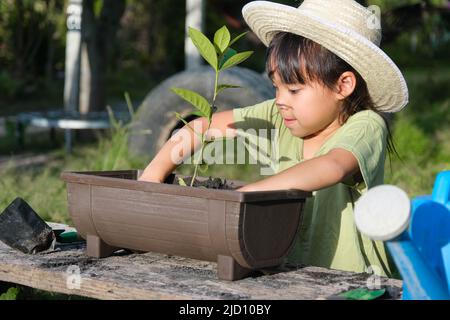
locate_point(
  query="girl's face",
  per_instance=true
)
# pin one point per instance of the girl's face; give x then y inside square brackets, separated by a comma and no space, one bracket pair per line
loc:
[307,109]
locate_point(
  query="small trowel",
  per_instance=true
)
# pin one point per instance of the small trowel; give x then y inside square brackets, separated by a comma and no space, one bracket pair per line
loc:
[21,228]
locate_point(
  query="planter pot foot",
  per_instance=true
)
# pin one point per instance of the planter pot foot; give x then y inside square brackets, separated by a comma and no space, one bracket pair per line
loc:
[97,248]
[229,269]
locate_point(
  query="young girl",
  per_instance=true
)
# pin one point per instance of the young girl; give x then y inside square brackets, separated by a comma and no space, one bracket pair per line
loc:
[333,84]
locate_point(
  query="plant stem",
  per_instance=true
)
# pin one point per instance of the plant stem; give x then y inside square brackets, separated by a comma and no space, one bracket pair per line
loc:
[216,83]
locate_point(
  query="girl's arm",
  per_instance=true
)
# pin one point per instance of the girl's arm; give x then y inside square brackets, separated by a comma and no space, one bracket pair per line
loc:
[184,143]
[312,174]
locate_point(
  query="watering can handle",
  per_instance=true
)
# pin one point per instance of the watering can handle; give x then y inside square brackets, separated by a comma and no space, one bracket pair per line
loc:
[383,213]
[441,189]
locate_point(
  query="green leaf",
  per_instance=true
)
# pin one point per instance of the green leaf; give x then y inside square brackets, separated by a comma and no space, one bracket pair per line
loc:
[181,182]
[236,59]
[228,54]
[363,294]
[11,294]
[222,39]
[237,38]
[130,105]
[204,46]
[195,113]
[195,99]
[179,117]
[222,87]
[219,52]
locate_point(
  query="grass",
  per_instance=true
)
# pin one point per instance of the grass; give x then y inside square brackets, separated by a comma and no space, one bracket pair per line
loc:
[42,187]
[9,291]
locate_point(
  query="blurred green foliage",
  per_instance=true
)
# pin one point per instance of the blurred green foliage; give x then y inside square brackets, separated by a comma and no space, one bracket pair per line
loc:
[32,40]
[18,292]
[11,294]
[150,41]
[422,131]
[392,4]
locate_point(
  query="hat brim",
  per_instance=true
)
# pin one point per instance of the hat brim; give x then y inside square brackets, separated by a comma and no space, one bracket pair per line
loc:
[385,82]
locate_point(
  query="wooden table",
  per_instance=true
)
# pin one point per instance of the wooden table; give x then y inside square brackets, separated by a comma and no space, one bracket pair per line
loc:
[127,275]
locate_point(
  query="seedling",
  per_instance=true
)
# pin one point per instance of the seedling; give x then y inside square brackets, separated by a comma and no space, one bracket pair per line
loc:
[220,56]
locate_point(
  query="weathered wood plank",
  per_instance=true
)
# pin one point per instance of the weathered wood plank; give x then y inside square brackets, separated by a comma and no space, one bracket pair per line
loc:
[157,276]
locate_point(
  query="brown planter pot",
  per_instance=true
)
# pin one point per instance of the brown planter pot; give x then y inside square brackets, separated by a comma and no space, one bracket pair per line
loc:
[242,231]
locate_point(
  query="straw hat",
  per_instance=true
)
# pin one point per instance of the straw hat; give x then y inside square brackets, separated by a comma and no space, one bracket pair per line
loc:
[344,27]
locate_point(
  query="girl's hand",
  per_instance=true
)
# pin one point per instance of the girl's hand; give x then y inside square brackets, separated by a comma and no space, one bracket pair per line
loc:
[310,175]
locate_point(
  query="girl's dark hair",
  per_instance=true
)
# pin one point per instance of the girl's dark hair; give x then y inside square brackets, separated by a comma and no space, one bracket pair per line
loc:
[300,60]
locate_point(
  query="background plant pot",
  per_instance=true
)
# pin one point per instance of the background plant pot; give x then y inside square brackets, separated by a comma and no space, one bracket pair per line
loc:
[242,231]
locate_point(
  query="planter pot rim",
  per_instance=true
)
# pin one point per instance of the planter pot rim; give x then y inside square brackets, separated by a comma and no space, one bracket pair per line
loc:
[94,178]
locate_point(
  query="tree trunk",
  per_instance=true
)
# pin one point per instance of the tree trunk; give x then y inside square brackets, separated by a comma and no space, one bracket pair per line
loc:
[50,41]
[92,96]
[19,54]
[73,56]
[108,26]
[194,19]
[98,35]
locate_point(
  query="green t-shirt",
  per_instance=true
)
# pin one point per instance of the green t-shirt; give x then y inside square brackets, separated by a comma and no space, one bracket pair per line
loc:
[328,236]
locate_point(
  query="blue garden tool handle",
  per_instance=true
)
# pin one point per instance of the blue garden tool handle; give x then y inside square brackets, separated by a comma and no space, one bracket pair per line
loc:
[420,281]
[441,189]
